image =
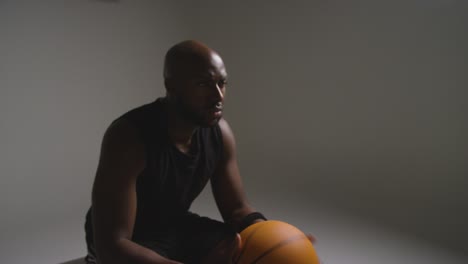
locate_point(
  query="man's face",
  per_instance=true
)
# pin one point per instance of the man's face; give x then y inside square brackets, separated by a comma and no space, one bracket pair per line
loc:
[199,93]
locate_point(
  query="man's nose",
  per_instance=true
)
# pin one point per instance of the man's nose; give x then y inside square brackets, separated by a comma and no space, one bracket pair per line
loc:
[218,92]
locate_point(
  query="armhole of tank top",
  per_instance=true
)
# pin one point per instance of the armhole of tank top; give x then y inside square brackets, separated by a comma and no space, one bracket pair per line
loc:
[221,141]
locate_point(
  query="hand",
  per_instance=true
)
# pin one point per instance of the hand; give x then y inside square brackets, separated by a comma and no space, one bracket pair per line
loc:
[224,252]
[312,238]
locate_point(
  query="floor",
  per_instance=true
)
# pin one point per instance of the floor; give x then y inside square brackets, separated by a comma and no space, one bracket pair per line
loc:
[342,239]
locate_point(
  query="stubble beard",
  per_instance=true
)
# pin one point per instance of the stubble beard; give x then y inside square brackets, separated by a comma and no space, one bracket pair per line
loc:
[196,118]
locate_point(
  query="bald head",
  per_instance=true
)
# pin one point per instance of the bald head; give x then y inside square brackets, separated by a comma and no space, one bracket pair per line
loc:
[195,78]
[185,57]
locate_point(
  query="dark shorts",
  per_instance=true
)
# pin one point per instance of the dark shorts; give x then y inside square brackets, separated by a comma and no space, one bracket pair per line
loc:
[187,239]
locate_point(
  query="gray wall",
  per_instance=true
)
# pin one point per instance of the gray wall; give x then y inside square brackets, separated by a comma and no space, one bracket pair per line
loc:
[356,104]
[67,68]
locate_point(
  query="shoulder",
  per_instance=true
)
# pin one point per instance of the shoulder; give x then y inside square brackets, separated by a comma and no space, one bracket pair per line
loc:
[145,122]
[144,112]
[122,130]
[228,139]
[225,129]
[121,160]
[121,141]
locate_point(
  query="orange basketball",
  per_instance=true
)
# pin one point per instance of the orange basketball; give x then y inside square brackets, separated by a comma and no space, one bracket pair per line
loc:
[275,242]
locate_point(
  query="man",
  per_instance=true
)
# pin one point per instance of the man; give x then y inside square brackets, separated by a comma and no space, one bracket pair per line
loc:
[156,159]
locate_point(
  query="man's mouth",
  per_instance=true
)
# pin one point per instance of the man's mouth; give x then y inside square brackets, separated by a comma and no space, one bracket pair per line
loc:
[217,107]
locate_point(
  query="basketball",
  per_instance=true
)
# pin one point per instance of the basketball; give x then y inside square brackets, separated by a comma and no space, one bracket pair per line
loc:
[275,242]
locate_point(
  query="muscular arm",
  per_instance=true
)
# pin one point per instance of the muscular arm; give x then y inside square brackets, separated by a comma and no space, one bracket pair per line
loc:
[114,198]
[227,184]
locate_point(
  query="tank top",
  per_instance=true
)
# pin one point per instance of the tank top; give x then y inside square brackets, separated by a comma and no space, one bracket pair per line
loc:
[171,180]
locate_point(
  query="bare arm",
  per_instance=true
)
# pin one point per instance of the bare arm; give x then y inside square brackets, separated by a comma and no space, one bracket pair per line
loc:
[227,184]
[114,198]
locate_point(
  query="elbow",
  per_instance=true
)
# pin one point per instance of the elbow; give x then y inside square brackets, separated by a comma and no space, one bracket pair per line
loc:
[111,251]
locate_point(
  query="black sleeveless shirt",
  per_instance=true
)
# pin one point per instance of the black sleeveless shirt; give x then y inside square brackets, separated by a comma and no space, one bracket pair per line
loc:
[171,180]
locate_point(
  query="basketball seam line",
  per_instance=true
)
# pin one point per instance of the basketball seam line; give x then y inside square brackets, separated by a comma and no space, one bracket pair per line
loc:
[282,243]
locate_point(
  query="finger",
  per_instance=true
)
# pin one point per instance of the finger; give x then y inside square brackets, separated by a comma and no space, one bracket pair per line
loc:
[223,252]
[237,244]
[234,244]
[312,238]
[236,249]
[229,245]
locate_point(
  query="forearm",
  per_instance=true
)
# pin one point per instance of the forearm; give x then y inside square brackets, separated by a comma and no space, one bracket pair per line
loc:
[236,219]
[126,251]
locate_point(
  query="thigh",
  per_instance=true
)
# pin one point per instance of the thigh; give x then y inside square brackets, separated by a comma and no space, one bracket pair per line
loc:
[200,235]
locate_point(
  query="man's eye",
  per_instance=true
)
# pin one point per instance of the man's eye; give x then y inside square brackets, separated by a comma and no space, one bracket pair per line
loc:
[222,83]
